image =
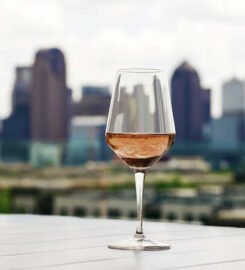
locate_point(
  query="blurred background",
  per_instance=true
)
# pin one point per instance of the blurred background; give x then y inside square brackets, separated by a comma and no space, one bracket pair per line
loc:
[58,65]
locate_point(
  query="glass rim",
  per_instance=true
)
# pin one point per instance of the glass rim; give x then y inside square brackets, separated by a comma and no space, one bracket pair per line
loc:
[140,70]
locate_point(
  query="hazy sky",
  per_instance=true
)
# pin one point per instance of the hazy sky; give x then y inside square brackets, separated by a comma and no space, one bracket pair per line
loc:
[100,36]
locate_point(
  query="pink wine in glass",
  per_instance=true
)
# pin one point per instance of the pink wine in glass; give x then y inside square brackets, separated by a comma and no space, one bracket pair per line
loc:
[139,151]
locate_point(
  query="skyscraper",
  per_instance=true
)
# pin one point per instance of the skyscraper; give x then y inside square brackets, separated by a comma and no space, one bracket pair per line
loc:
[206,98]
[144,123]
[21,93]
[228,132]
[87,140]
[95,101]
[189,101]
[16,128]
[49,112]
[233,94]
[17,125]
[229,129]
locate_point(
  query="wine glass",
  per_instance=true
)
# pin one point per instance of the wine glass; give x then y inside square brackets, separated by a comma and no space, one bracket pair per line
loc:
[140,130]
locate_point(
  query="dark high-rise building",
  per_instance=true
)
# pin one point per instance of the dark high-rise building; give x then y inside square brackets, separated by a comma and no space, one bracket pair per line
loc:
[206,98]
[191,105]
[69,104]
[101,91]
[49,103]
[21,93]
[95,101]
[16,128]
[17,125]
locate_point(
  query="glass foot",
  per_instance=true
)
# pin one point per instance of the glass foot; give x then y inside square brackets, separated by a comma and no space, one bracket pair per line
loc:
[139,244]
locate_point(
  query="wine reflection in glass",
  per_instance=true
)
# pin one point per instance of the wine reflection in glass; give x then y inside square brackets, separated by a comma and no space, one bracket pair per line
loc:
[140,130]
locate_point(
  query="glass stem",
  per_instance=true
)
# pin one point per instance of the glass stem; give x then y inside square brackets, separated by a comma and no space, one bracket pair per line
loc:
[139,184]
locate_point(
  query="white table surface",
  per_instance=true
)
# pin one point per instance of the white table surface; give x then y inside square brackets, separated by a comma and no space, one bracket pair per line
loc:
[70,243]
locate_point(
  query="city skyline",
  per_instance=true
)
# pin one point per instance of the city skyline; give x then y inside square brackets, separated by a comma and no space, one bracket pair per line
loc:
[42,113]
[98,38]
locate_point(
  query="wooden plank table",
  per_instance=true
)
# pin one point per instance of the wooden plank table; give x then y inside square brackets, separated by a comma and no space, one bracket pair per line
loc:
[69,243]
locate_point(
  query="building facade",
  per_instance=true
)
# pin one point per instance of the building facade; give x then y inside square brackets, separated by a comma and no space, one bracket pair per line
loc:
[87,140]
[16,128]
[233,96]
[95,101]
[191,104]
[228,132]
[49,103]
[17,125]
